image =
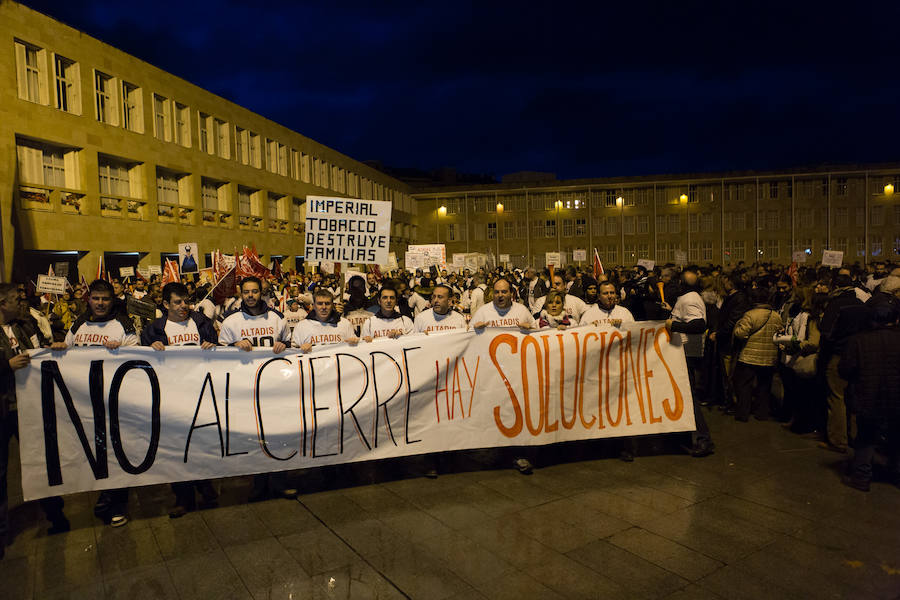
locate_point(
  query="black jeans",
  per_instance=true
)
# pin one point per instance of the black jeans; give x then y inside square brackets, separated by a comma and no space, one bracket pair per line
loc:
[867,430]
[53,506]
[695,369]
[753,386]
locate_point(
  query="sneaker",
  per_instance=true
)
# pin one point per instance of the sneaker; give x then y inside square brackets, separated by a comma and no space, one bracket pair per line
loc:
[118,520]
[523,466]
[178,511]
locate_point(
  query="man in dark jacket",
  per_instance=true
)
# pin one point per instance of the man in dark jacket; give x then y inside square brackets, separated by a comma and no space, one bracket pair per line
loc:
[844,316]
[183,327]
[15,342]
[870,363]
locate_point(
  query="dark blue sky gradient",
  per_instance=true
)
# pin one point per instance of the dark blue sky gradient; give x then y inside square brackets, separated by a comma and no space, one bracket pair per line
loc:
[579,89]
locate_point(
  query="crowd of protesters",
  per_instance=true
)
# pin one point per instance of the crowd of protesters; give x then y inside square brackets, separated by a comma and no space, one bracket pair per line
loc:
[813,347]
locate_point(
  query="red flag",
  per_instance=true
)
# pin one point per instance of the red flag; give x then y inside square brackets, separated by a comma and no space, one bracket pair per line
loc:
[377,270]
[792,273]
[85,292]
[277,273]
[170,273]
[248,264]
[598,266]
[226,279]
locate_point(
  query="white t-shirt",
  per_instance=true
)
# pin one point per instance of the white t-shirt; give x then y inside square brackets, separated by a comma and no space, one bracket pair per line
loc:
[98,333]
[476,298]
[208,308]
[358,317]
[184,333]
[292,317]
[315,332]
[262,330]
[379,327]
[492,317]
[596,313]
[689,307]
[573,305]
[417,303]
[429,321]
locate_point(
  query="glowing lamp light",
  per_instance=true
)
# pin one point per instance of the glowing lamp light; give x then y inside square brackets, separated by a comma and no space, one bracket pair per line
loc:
[683,198]
[619,201]
[889,189]
[442,211]
[499,208]
[559,204]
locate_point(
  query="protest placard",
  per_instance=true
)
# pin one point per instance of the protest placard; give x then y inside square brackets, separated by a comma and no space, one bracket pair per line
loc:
[126,271]
[414,260]
[347,230]
[504,258]
[61,269]
[554,259]
[49,284]
[798,256]
[832,258]
[646,263]
[579,255]
[681,257]
[155,269]
[187,257]
[140,308]
[132,417]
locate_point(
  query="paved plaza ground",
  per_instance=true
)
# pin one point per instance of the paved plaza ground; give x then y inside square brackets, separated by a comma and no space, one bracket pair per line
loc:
[765,517]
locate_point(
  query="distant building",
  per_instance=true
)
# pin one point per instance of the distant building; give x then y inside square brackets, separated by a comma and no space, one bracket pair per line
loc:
[714,218]
[104,153]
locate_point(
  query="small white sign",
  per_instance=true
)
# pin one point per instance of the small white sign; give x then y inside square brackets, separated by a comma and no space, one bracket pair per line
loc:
[187,258]
[415,260]
[126,271]
[832,258]
[459,260]
[326,266]
[48,284]
[579,255]
[553,258]
[155,269]
[392,261]
[680,257]
[144,272]
[798,256]
[646,263]
[504,258]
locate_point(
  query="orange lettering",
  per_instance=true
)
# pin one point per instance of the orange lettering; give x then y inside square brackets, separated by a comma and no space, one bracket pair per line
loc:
[675,414]
[512,342]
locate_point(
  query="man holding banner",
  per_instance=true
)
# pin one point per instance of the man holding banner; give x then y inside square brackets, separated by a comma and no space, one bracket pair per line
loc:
[254,324]
[440,317]
[101,325]
[183,327]
[387,322]
[323,325]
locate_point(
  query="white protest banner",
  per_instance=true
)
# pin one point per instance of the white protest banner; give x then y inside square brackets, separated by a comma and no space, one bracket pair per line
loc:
[579,255]
[392,261]
[48,284]
[144,272]
[326,266]
[353,273]
[155,269]
[347,230]
[832,258]
[126,271]
[798,256]
[472,261]
[504,258]
[646,263]
[459,261]
[553,258]
[100,419]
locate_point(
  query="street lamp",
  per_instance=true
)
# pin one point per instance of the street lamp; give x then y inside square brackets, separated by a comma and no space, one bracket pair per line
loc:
[441,212]
[497,231]
[558,205]
[889,189]
[620,202]
[687,226]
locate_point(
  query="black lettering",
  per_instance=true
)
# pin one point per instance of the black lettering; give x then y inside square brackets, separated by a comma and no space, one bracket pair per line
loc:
[312,378]
[228,451]
[350,411]
[259,419]
[409,392]
[51,379]
[383,405]
[115,434]
[217,423]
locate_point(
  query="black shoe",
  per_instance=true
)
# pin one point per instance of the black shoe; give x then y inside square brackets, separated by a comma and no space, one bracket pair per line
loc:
[59,526]
[700,449]
[431,474]
[178,511]
[626,456]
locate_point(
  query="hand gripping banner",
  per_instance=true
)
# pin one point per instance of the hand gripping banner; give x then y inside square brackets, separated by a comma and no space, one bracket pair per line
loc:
[93,419]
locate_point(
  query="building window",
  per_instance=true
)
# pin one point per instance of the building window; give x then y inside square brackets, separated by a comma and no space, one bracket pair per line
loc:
[282,161]
[132,117]
[840,216]
[612,225]
[550,228]
[245,203]
[772,220]
[772,250]
[30,69]
[295,166]
[643,224]
[628,225]
[272,156]
[740,221]
[877,216]
[240,146]
[694,251]
[45,164]
[875,246]
[693,196]
[538,229]
[706,251]
[841,186]
[115,177]
[661,221]
[739,252]
[580,226]
[162,128]
[568,228]
[860,246]
[223,144]
[203,137]
[492,231]
[296,210]
[275,207]
[694,223]
[706,222]
[509,230]
[67,97]
[674,223]
[167,185]
[773,190]
[860,216]
[182,125]
[254,150]
[453,232]
[304,168]
[105,98]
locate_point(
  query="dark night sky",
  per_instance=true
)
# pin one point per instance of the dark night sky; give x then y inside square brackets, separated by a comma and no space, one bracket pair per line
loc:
[583,91]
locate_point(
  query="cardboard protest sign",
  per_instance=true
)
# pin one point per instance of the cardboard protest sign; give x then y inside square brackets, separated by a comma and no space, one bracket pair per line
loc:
[554,259]
[104,419]
[140,308]
[48,284]
[155,269]
[579,255]
[187,257]
[832,258]
[126,271]
[646,263]
[798,256]
[347,230]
